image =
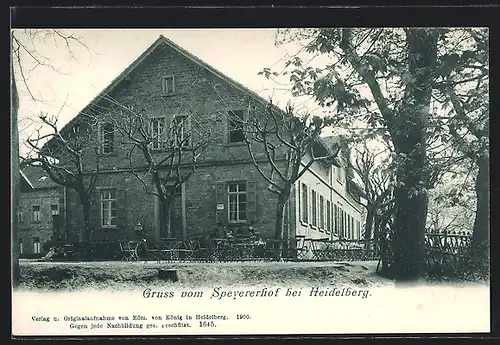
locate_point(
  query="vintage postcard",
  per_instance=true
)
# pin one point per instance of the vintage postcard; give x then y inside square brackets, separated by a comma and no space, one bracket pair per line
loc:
[250,181]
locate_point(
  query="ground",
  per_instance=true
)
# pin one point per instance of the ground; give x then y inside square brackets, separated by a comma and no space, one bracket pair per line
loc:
[74,276]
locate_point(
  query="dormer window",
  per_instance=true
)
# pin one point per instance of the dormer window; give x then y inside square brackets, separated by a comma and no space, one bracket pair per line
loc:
[168,85]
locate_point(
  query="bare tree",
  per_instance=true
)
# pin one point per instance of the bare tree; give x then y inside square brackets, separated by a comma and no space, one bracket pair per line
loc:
[162,152]
[26,57]
[376,177]
[283,146]
[64,156]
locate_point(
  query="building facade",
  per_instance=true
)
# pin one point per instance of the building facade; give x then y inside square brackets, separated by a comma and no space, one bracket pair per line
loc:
[226,190]
[41,212]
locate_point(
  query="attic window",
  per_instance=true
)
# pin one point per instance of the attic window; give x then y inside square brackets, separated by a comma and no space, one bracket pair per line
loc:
[168,85]
[43,178]
[76,128]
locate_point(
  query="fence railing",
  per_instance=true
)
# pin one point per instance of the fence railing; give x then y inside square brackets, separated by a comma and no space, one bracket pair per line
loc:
[439,247]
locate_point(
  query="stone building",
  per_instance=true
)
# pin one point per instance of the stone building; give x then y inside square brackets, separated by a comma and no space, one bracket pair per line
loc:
[41,212]
[168,83]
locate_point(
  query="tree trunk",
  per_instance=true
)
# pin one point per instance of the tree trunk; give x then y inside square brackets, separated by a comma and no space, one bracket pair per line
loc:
[87,231]
[370,213]
[166,207]
[481,234]
[410,144]
[15,181]
[280,215]
[87,224]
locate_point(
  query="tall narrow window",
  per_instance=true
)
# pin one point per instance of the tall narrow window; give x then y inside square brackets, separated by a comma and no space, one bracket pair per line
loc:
[314,197]
[35,215]
[235,124]
[336,221]
[157,133]
[20,214]
[321,212]
[21,248]
[36,245]
[237,200]
[181,131]
[108,138]
[305,204]
[342,223]
[108,208]
[328,216]
[168,85]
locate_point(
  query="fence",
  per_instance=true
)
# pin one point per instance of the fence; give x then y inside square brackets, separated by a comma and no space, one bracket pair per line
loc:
[441,249]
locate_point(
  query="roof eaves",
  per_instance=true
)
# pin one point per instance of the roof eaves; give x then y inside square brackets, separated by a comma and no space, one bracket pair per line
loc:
[23,175]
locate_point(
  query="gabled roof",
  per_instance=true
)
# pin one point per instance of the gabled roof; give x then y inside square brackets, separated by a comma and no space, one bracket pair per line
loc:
[163,40]
[37,178]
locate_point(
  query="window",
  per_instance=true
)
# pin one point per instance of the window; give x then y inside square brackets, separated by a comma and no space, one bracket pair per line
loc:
[342,222]
[36,245]
[157,133]
[305,204]
[237,200]
[21,249]
[181,130]
[358,229]
[35,215]
[321,212]
[235,123]
[168,85]
[314,197]
[328,216]
[336,217]
[108,137]
[339,175]
[176,192]
[54,209]
[108,208]
[76,129]
[20,214]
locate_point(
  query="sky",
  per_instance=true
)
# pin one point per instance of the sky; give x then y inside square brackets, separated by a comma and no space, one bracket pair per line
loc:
[74,80]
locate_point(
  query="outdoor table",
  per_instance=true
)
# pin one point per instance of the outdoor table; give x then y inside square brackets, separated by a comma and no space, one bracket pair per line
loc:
[320,253]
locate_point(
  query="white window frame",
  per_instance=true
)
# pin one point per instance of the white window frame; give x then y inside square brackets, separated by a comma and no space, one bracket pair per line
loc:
[328,216]
[237,193]
[314,208]
[305,203]
[36,216]
[164,85]
[157,134]
[37,248]
[321,212]
[185,129]
[107,219]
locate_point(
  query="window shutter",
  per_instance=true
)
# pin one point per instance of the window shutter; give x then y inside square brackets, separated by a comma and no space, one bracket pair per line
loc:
[251,202]
[220,199]
[121,208]
[95,209]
